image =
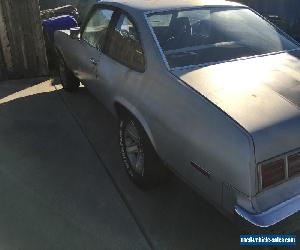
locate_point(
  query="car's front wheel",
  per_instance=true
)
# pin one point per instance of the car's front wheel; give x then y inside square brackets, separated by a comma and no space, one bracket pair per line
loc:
[68,80]
[140,159]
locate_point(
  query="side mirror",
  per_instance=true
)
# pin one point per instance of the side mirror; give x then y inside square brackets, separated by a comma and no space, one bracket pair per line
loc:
[74,32]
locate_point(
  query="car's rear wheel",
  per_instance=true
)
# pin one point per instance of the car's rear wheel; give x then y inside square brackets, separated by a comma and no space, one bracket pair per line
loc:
[140,159]
[68,80]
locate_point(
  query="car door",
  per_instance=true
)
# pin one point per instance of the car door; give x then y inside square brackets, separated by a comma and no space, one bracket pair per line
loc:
[92,40]
[120,69]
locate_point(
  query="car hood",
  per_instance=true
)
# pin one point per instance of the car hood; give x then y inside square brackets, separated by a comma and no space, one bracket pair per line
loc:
[262,94]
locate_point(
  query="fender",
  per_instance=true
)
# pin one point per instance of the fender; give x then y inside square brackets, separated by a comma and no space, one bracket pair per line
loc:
[134,111]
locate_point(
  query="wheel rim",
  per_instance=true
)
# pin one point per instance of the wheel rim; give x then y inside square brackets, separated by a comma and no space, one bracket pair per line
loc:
[134,148]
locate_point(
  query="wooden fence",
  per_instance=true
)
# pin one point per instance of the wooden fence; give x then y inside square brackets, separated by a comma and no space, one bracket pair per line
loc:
[22,49]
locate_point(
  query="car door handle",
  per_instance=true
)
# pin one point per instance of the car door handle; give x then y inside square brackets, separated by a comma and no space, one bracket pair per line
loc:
[93,61]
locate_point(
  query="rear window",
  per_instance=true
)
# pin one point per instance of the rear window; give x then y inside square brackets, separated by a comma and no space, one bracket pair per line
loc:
[215,34]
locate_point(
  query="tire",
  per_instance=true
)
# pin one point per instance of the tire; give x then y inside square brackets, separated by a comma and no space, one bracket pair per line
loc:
[69,82]
[140,159]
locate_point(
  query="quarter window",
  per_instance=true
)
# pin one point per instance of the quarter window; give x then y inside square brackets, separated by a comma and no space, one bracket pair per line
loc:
[125,46]
[96,29]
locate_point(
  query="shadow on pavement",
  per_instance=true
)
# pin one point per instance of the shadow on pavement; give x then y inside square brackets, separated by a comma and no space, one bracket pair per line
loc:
[54,191]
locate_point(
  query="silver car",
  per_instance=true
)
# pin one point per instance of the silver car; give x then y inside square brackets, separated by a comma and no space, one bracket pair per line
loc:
[209,89]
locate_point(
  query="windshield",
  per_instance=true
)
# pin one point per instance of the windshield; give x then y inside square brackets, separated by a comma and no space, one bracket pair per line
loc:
[215,34]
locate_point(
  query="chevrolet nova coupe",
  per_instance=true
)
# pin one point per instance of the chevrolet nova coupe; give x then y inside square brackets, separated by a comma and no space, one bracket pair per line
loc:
[209,89]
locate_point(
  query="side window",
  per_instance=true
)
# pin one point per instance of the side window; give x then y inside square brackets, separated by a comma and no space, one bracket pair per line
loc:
[96,29]
[125,45]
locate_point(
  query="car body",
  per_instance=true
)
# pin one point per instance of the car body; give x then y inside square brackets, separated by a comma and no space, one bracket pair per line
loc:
[226,124]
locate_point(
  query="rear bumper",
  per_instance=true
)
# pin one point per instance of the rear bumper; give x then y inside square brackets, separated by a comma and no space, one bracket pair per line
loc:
[273,215]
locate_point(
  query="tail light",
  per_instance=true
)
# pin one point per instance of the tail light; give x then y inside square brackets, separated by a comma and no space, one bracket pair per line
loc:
[272,173]
[294,165]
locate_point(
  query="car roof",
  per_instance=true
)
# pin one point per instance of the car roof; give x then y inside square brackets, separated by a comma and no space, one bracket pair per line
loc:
[156,5]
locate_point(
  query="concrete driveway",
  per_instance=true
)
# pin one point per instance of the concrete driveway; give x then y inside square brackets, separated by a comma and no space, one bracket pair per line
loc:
[62,184]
